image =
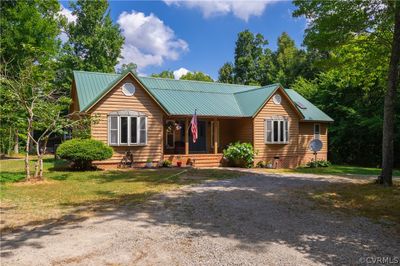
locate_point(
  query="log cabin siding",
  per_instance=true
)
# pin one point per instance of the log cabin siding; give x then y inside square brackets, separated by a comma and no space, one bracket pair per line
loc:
[243,130]
[115,100]
[294,153]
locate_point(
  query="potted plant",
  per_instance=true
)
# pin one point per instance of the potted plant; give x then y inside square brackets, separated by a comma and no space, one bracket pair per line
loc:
[149,163]
[172,126]
[178,161]
[261,164]
[269,164]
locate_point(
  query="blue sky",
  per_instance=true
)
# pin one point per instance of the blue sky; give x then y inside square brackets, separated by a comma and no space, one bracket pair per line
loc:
[197,36]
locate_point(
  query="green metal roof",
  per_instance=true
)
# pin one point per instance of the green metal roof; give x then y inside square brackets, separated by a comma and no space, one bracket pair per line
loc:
[250,101]
[91,85]
[310,112]
[181,97]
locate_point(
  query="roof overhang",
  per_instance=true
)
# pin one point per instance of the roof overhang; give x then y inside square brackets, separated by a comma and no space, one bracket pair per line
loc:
[115,83]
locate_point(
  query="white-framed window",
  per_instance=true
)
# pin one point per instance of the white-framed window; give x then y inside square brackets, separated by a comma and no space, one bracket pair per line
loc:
[214,124]
[317,131]
[276,130]
[170,137]
[127,128]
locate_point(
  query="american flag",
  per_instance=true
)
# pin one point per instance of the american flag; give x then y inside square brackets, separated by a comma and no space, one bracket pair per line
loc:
[193,125]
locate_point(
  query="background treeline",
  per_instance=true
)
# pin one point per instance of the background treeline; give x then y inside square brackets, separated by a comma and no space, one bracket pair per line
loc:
[348,83]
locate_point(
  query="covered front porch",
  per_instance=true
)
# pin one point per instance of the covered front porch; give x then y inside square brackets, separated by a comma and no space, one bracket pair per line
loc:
[214,135]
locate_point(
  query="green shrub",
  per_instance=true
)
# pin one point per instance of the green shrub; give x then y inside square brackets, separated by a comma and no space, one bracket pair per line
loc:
[240,154]
[318,163]
[166,163]
[81,152]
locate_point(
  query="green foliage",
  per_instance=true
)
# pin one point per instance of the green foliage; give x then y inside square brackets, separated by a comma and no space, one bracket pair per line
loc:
[225,73]
[126,67]
[29,31]
[335,23]
[164,74]
[318,163]
[248,53]
[240,154]
[94,42]
[83,151]
[200,76]
[351,91]
[289,62]
[375,24]
[256,64]
[166,163]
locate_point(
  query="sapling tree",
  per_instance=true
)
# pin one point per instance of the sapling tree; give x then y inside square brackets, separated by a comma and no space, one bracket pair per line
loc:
[43,106]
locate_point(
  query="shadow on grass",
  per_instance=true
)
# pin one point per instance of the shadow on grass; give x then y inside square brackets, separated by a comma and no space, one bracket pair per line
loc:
[10,177]
[30,234]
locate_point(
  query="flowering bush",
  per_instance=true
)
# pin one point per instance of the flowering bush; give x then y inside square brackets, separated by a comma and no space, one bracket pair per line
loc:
[240,154]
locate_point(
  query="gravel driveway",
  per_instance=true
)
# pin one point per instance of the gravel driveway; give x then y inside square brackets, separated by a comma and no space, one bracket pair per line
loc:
[251,220]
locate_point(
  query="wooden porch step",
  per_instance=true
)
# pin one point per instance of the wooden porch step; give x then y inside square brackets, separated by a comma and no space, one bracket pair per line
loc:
[200,160]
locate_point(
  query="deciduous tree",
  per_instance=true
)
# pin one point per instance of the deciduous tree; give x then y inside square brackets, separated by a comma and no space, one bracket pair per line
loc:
[164,74]
[248,53]
[197,75]
[29,33]
[334,23]
[94,41]
[226,73]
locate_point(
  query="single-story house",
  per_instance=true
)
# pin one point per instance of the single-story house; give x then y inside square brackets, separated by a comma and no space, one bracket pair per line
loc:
[150,117]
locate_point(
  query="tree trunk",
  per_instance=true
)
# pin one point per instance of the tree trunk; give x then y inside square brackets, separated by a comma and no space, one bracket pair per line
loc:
[389,105]
[9,142]
[16,140]
[27,170]
[28,142]
[39,158]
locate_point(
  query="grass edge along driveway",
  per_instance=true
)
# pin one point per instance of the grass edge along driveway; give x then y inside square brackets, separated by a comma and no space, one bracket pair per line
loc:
[73,195]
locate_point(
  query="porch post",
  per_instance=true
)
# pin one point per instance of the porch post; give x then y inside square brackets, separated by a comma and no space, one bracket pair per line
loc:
[216,128]
[187,136]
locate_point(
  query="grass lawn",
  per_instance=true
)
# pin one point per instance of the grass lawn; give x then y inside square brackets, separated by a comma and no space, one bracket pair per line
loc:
[361,198]
[66,193]
[335,170]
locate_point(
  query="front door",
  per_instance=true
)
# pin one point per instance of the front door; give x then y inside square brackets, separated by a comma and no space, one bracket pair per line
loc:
[200,145]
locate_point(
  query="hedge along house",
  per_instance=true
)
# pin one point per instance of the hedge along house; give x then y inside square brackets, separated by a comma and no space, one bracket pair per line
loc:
[150,117]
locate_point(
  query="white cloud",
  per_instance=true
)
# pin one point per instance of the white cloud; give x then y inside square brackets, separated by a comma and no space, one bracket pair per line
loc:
[180,72]
[71,18]
[68,14]
[148,41]
[241,9]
